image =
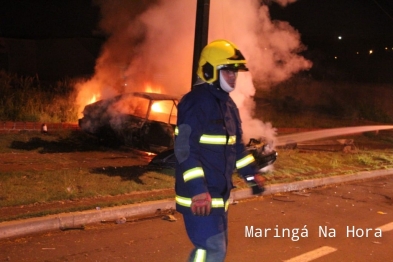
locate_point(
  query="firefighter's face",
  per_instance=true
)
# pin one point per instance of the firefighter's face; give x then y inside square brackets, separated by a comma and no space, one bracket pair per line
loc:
[229,76]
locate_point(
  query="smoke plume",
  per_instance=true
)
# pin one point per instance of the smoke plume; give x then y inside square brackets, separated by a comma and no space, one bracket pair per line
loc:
[150,43]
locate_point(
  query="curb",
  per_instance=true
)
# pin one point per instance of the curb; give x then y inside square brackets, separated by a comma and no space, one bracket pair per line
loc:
[78,219]
[14,127]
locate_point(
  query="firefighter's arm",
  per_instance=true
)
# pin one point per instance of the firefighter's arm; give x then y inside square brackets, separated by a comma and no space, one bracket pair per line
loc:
[245,163]
[187,149]
[247,168]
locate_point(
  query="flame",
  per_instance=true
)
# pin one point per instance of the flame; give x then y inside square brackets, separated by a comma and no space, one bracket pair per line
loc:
[156,107]
[86,98]
[152,89]
[92,100]
[88,93]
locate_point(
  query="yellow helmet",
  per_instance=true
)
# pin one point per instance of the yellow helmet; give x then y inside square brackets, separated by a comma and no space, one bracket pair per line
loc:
[219,54]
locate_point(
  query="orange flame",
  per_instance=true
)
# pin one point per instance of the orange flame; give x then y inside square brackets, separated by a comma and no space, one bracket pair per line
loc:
[152,89]
[92,100]
[88,93]
[156,107]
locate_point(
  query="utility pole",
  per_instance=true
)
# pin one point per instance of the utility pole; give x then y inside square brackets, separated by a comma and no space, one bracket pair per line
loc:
[201,34]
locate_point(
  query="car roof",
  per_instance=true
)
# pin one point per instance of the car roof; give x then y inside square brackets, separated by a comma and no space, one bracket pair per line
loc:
[155,96]
[146,95]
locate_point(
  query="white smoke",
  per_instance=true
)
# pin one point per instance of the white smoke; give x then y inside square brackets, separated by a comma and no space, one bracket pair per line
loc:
[152,42]
[270,47]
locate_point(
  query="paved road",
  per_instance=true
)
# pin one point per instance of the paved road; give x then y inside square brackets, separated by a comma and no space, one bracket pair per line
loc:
[348,222]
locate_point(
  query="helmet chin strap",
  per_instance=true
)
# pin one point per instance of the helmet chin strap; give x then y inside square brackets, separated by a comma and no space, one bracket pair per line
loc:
[224,85]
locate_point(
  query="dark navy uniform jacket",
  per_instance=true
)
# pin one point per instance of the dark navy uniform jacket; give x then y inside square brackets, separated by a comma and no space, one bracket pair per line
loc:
[208,147]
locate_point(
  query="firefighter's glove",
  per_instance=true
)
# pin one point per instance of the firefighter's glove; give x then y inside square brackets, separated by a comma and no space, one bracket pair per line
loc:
[257,184]
[201,204]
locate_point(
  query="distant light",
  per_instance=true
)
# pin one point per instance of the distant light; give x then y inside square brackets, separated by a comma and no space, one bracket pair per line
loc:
[357,53]
[370,52]
[339,37]
[335,57]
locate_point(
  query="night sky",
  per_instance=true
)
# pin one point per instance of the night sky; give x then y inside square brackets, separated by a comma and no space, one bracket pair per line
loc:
[363,25]
[47,19]
[316,20]
[354,20]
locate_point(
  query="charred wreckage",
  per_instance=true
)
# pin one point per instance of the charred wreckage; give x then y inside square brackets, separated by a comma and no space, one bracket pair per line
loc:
[146,121]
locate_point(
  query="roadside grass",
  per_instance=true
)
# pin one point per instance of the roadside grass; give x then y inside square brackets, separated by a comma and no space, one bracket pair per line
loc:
[34,187]
[296,165]
[27,98]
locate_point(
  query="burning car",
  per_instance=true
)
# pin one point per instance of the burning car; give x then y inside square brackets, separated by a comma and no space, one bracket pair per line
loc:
[147,121]
[141,120]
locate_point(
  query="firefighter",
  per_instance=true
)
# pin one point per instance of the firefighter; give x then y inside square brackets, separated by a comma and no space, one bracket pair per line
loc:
[208,149]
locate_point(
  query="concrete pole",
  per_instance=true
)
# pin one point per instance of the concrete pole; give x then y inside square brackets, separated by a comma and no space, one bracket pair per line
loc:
[201,34]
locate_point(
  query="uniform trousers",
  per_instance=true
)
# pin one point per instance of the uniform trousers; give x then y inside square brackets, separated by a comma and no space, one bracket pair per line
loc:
[209,235]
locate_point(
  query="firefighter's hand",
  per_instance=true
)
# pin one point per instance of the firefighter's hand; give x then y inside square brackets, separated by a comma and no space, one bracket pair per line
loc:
[259,186]
[201,204]
[259,180]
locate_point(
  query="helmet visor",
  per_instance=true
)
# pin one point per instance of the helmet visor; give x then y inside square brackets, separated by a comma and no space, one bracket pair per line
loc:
[233,67]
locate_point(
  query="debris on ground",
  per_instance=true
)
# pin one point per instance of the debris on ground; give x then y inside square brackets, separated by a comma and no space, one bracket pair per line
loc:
[169,218]
[280,197]
[301,193]
[81,227]
[121,220]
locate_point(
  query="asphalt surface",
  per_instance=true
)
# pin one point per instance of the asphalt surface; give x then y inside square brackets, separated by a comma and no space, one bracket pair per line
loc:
[349,220]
